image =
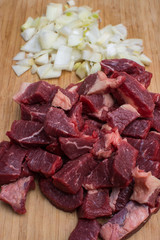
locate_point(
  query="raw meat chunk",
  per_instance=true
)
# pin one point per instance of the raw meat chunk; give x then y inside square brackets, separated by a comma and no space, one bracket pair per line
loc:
[55,147]
[65,99]
[43,162]
[38,92]
[95,204]
[75,147]
[64,201]
[120,197]
[34,112]
[11,158]
[128,66]
[105,143]
[57,124]
[146,188]
[85,230]
[156,98]
[99,177]
[125,222]
[70,178]
[123,164]
[28,133]
[148,148]
[76,115]
[99,83]
[97,105]
[135,94]
[122,116]
[139,128]
[15,193]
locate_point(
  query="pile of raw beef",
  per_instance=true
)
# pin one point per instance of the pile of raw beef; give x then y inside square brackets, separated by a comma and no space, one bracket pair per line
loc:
[94,147]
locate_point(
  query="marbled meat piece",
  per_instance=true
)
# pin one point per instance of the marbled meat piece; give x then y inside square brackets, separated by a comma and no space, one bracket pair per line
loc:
[99,83]
[64,201]
[97,105]
[65,99]
[156,98]
[125,222]
[91,127]
[15,193]
[28,133]
[146,187]
[35,112]
[100,177]
[43,162]
[55,147]
[148,148]
[71,176]
[123,164]
[85,230]
[137,95]
[95,204]
[25,171]
[106,143]
[120,197]
[76,115]
[139,128]
[128,66]
[75,147]
[11,158]
[57,124]
[38,92]
[122,116]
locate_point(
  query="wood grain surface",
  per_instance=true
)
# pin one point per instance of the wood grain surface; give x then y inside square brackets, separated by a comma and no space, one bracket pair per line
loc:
[142,17]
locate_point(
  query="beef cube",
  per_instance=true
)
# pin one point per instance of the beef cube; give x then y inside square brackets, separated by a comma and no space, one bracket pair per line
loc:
[139,128]
[43,162]
[34,112]
[146,188]
[125,222]
[155,120]
[156,98]
[98,83]
[70,178]
[97,105]
[57,124]
[28,134]
[122,116]
[128,66]
[38,92]
[123,164]
[15,193]
[65,99]
[85,230]
[105,143]
[148,165]
[120,197]
[64,201]
[99,177]
[135,94]
[75,147]
[76,115]
[95,204]
[11,158]
[148,148]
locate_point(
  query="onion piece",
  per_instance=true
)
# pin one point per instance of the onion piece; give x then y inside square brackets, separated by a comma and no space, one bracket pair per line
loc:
[19,56]
[19,70]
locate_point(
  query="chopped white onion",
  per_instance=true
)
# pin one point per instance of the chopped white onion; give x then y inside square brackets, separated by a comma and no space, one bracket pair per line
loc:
[41,60]
[19,70]
[19,56]
[63,57]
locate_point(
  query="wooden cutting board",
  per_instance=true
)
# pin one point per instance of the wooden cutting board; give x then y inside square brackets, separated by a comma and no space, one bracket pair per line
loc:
[142,17]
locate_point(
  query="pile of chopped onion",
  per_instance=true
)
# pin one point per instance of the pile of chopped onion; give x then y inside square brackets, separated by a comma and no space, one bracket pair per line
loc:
[71,40]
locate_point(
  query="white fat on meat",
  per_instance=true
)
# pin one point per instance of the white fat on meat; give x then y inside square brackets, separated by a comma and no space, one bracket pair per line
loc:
[103,82]
[129,107]
[113,197]
[62,101]
[146,188]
